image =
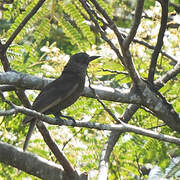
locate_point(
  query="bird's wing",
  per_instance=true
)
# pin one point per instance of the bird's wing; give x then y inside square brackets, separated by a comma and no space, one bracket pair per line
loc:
[56,91]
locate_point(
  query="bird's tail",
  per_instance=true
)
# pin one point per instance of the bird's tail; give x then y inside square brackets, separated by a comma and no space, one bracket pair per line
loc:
[29,134]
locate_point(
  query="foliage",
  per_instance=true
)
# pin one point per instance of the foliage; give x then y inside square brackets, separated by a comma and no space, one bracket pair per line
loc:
[35,52]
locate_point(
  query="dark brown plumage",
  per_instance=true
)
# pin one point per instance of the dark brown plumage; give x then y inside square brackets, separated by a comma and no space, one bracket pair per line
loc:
[62,92]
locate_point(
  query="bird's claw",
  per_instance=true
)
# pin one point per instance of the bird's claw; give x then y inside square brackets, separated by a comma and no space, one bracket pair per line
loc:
[61,121]
[72,119]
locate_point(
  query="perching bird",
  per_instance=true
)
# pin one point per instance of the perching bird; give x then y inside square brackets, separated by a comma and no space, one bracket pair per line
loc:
[62,92]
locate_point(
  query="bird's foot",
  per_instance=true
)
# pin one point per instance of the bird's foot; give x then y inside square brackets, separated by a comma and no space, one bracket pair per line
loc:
[58,117]
[69,118]
[59,120]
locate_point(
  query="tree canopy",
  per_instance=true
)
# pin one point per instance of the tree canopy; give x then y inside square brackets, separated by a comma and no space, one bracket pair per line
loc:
[128,117]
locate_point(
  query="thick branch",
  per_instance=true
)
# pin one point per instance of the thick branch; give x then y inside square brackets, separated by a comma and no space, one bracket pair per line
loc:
[30,163]
[23,80]
[32,82]
[7,88]
[131,67]
[33,164]
[125,46]
[160,107]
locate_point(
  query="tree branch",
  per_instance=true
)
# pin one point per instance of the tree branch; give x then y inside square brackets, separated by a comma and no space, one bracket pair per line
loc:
[125,46]
[30,163]
[159,106]
[112,140]
[116,72]
[160,82]
[26,81]
[159,44]
[23,23]
[56,151]
[4,59]
[152,47]
[104,106]
[101,31]
[34,165]
[121,127]
[4,88]
[137,20]
[148,97]
[4,47]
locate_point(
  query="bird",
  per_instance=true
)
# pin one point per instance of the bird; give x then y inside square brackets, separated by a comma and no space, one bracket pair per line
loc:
[62,92]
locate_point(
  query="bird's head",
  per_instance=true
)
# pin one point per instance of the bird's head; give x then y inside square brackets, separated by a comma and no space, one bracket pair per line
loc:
[82,58]
[80,61]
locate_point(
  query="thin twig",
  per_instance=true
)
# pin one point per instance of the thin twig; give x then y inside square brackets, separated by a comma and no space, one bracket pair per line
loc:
[23,23]
[101,31]
[109,20]
[147,110]
[117,72]
[159,83]
[152,47]
[104,106]
[136,22]
[155,127]
[139,167]
[74,135]
[6,101]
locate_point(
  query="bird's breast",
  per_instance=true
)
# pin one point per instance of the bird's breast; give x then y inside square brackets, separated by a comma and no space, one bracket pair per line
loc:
[71,98]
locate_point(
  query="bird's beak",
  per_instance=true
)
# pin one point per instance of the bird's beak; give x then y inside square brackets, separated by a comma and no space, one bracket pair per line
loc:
[91,58]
